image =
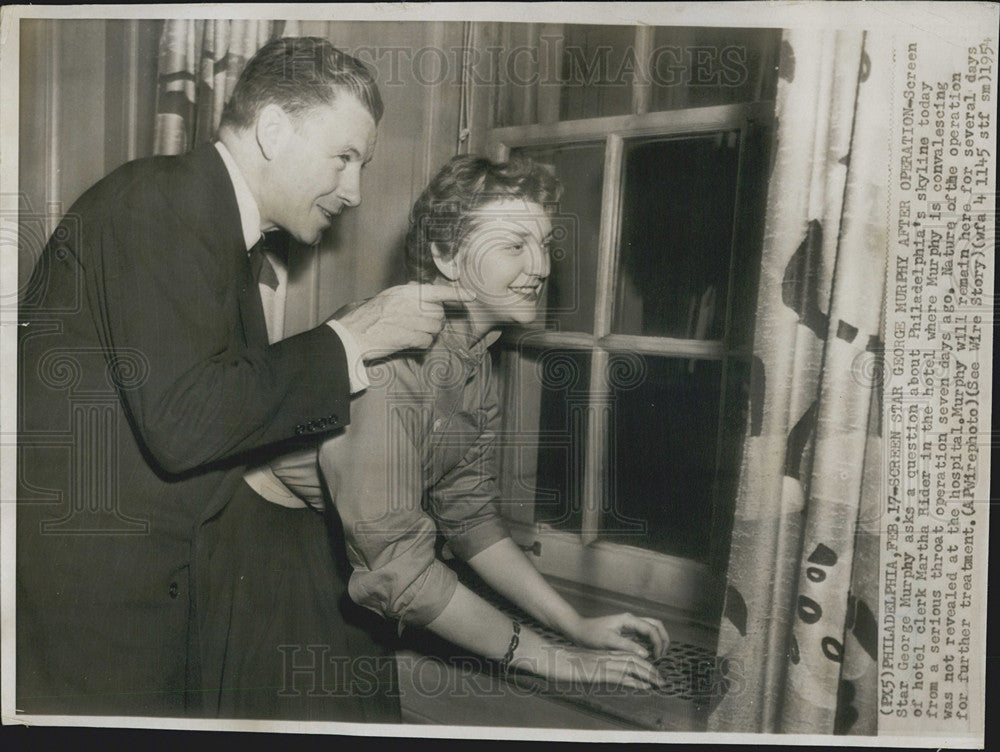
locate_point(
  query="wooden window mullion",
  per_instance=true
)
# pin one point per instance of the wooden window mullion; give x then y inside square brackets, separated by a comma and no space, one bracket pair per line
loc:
[642,83]
[551,41]
[597,485]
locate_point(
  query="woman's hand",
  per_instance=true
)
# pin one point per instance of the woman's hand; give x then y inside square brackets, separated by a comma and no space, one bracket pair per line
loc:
[612,669]
[622,632]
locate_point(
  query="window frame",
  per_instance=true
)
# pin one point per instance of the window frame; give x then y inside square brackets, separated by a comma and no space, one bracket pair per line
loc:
[691,586]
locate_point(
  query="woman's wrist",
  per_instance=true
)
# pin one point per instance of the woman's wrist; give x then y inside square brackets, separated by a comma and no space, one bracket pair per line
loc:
[572,625]
[515,640]
[532,654]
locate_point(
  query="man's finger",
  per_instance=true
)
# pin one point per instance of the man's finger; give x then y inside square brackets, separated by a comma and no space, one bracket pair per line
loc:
[425,324]
[433,293]
[421,340]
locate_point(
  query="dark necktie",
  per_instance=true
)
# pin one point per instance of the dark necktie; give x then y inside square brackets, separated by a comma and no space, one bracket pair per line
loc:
[260,266]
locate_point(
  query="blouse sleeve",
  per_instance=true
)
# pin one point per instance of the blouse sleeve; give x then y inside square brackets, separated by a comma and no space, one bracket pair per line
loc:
[375,474]
[464,502]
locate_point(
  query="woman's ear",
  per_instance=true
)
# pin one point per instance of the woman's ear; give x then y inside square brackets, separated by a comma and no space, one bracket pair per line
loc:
[447,267]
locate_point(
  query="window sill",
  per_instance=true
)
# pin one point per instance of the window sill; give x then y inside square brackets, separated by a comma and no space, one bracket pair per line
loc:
[634,578]
[440,685]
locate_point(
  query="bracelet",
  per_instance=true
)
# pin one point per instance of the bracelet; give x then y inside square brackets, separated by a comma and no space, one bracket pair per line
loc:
[509,655]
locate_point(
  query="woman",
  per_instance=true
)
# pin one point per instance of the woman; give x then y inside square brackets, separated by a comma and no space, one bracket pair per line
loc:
[425,430]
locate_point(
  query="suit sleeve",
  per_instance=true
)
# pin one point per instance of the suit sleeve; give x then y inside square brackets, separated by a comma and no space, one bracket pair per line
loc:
[198,385]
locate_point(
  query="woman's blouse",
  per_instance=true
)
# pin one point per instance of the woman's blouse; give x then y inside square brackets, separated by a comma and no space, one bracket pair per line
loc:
[424,431]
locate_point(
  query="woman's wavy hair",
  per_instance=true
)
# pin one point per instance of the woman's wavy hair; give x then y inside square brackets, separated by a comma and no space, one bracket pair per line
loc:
[442,216]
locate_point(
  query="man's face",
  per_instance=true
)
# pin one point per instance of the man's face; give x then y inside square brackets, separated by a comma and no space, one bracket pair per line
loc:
[315,167]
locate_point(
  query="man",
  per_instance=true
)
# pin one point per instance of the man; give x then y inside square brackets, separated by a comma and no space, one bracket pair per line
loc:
[147,385]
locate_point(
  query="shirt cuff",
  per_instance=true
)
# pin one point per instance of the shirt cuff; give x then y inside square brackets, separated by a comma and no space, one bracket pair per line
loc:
[263,480]
[420,603]
[355,362]
[439,590]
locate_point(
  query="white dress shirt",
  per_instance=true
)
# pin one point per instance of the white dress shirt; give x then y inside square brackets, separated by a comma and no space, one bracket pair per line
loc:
[261,479]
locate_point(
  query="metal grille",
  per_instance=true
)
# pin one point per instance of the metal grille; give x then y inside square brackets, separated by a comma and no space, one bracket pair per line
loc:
[686,668]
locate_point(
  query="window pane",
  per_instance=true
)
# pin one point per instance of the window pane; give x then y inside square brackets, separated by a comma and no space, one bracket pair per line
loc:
[597,71]
[564,376]
[677,218]
[662,453]
[518,73]
[700,67]
[576,228]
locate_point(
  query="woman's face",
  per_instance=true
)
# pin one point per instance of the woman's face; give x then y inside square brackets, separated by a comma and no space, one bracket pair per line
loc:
[504,261]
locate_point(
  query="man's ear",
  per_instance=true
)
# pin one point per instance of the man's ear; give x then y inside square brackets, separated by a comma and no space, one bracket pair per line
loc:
[448,267]
[271,129]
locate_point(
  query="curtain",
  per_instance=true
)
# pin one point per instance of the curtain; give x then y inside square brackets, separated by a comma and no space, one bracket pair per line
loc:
[200,62]
[798,635]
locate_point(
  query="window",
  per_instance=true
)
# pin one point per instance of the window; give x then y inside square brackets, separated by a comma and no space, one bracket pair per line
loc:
[625,409]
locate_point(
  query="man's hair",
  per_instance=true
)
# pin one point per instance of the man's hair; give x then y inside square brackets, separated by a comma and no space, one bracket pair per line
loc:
[299,73]
[442,214]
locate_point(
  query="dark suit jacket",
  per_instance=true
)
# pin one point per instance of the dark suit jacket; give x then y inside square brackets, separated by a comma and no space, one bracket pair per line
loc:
[145,379]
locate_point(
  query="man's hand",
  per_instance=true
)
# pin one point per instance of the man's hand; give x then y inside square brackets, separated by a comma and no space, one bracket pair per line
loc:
[409,315]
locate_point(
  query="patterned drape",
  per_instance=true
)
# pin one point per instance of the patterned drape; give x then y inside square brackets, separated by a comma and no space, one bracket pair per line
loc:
[200,62]
[798,636]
